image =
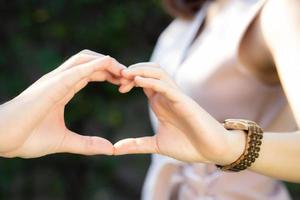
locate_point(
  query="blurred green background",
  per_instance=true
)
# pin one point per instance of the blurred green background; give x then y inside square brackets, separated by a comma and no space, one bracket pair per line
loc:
[35,37]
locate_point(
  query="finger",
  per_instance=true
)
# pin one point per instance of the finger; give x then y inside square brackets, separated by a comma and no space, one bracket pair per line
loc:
[148,92]
[141,145]
[79,58]
[75,60]
[157,86]
[148,72]
[145,71]
[125,81]
[115,67]
[80,85]
[149,64]
[47,94]
[126,85]
[112,79]
[96,77]
[126,88]
[90,52]
[85,145]
[63,83]
[104,76]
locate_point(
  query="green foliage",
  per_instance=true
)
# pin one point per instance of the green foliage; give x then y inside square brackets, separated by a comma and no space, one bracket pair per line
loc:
[36,36]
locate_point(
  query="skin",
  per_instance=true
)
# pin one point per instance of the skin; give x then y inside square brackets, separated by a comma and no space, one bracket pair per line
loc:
[187,132]
[39,128]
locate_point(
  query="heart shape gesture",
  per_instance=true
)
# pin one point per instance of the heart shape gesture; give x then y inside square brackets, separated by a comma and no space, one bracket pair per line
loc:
[32,124]
[185,131]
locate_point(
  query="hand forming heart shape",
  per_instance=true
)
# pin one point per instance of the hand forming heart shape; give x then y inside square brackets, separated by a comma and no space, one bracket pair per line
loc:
[39,128]
[32,124]
[185,131]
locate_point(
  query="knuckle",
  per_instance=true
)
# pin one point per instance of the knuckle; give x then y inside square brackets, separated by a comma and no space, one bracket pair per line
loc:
[91,53]
[107,59]
[85,51]
[72,58]
[78,57]
[111,59]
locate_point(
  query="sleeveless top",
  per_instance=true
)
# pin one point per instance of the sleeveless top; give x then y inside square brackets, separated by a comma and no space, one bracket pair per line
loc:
[208,70]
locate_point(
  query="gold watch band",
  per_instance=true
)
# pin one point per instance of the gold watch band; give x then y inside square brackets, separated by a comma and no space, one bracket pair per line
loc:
[253,142]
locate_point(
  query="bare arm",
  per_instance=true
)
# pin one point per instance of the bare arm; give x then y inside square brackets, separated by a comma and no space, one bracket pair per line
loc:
[280,25]
[190,128]
[188,133]
[279,156]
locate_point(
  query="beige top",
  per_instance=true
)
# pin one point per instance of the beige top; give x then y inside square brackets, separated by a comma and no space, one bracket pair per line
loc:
[210,73]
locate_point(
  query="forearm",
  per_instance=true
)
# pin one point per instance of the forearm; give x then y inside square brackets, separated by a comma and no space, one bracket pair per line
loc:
[279,155]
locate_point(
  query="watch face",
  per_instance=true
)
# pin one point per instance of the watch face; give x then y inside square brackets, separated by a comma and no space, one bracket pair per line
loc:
[236,124]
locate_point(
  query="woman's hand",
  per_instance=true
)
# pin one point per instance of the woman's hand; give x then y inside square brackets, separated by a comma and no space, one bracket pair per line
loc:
[185,131]
[32,124]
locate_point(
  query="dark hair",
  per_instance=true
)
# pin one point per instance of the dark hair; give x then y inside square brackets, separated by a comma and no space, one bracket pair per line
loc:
[183,8]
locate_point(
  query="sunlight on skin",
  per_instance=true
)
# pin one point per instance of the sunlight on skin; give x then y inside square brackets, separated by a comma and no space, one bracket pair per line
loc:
[179,121]
[40,110]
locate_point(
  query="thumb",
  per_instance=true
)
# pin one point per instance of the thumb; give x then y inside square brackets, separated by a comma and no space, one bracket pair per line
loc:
[85,145]
[142,145]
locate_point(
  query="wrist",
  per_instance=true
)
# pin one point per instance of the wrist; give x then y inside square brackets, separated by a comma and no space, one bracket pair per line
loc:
[236,142]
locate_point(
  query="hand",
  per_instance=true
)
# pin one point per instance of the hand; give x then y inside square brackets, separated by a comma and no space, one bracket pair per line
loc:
[32,124]
[185,131]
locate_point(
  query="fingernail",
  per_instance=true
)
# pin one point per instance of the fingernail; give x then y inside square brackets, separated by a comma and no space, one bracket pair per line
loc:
[121,89]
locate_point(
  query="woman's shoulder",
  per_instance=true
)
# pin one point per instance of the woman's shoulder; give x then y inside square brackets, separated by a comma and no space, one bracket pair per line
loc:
[273,34]
[280,22]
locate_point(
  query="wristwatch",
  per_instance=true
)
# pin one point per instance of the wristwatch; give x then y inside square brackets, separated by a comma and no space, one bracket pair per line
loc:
[254,135]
